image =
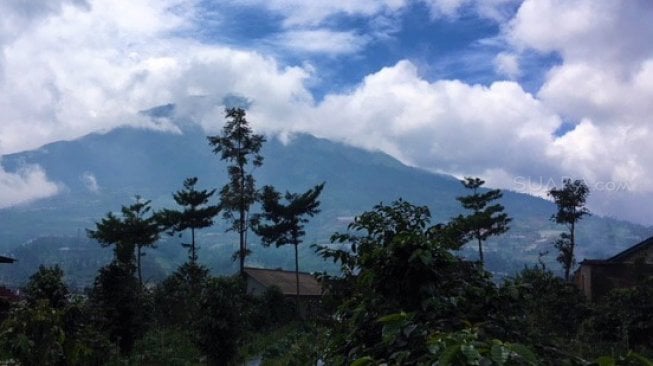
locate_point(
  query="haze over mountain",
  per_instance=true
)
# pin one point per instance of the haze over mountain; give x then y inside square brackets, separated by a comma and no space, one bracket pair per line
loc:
[100,172]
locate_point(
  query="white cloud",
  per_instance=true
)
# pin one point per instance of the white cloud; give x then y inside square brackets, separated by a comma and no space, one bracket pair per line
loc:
[447,8]
[497,10]
[444,125]
[604,84]
[321,41]
[90,182]
[29,183]
[312,13]
[87,69]
[69,69]
[507,64]
[610,32]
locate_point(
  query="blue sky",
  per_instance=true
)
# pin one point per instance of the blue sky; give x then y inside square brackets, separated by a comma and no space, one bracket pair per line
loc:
[513,91]
[461,46]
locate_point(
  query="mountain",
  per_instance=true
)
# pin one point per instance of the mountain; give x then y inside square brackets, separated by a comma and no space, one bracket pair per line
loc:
[100,172]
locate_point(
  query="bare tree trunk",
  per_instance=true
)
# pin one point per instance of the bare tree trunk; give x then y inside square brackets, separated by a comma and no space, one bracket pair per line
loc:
[297,279]
[241,253]
[241,219]
[192,245]
[480,248]
[572,244]
[138,263]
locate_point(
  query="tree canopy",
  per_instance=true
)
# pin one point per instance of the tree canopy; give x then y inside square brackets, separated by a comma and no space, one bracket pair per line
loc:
[240,147]
[570,200]
[196,213]
[486,219]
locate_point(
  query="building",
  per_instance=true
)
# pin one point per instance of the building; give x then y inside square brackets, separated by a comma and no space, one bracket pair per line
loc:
[7,295]
[310,290]
[596,277]
[4,259]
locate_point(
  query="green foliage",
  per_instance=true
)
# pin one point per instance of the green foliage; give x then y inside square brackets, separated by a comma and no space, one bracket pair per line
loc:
[553,308]
[624,316]
[34,335]
[50,329]
[239,147]
[177,298]
[47,284]
[85,344]
[196,214]
[283,224]
[221,325]
[570,200]
[271,310]
[630,359]
[136,229]
[464,347]
[120,305]
[167,346]
[486,219]
[298,347]
[398,262]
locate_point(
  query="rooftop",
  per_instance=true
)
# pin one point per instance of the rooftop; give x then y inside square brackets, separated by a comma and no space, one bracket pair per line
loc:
[285,280]
[4,259]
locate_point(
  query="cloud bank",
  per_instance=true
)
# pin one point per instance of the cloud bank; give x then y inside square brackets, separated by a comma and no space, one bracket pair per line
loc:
[27,184]
[76,67]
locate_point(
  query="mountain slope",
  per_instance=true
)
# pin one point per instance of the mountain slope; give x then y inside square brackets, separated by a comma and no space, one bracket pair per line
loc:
[100,172]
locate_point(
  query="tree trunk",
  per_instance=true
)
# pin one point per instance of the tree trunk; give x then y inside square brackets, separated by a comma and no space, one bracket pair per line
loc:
[572,244]
[480,248]
[138,264]
[241,253]
[297,279]
[192,246]
[241,219]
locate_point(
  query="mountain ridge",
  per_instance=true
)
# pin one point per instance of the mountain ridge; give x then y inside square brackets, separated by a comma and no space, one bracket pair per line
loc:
[127,161]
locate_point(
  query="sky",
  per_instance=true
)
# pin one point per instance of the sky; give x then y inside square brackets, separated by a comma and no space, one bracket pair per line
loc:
[520,93]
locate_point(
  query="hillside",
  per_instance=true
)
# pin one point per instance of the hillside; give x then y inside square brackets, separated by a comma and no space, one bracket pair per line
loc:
[125,162]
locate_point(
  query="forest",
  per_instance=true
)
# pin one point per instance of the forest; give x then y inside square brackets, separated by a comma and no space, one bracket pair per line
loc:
[402,296]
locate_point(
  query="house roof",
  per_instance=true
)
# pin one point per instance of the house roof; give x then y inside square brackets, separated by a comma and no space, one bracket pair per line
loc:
[286,281]
[4,259]
[632,250]
[621,256]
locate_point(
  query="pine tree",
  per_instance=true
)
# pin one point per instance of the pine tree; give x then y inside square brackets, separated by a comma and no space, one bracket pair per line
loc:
[133,231]
[239,147]
[486,219]
[196,214]
[570,200]
[282,224]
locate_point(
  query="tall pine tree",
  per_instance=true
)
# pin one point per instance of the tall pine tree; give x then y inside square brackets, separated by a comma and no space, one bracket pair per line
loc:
[283,224]
[196,214]
[136,229]
[239,147]
[570,200]
[486,219]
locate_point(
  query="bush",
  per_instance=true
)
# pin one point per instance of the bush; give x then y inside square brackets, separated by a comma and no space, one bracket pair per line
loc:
[177,298]
[221,325]
[624,316]
[121,307]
